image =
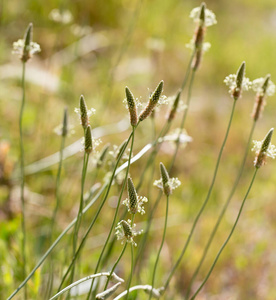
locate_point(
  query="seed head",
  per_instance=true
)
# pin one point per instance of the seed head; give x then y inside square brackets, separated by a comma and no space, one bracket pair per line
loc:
[103,155]
[131,107]
[153,100]
[65,123]
[134,203]
[264,149]
[83,113]
[165,180]
[174,107]
[124,231]
[25,47]
[88,145]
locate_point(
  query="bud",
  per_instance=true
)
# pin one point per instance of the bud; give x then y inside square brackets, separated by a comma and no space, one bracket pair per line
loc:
[83,113]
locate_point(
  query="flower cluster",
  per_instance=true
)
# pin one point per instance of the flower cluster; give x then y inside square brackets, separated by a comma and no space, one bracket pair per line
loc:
[210,17]
[61,16]
[134,203]
[258,87]
[263,149]
[125,232]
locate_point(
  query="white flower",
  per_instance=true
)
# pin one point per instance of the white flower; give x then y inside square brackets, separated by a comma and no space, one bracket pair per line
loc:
[210,17]
[271,151]
[125,232]
[139,205]
[257,86]
[231,81]
[137,101]
[18,48]
[173,183]
[90,112]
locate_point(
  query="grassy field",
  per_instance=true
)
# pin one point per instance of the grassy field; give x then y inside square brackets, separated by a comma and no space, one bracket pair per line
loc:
[96,49]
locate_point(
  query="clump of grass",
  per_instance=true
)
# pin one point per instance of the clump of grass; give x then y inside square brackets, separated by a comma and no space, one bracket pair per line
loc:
[133,209]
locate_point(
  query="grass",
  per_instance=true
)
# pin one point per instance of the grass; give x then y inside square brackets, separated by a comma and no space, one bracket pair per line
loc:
[70,214]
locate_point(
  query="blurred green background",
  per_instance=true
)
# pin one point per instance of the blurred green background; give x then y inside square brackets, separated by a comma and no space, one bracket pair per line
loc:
[96,48]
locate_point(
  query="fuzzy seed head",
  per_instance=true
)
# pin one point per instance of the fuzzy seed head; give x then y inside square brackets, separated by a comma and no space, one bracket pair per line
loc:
[153,100]
[88,145]
[83,113]
[131,107]
[132,196]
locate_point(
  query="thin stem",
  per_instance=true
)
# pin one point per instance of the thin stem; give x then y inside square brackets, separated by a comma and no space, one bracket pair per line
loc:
[146,288]
[96,215]
[228,238]
[161,246]
[205,201]
[115,265]
[115,216]
[79,217]
[222,212]
[22,175]
[184,117]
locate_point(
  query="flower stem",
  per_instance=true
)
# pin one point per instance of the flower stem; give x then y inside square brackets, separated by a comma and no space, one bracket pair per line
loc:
[115,216]
[228,238]
[222,212]
[22,175]
[161,246]
[205,201]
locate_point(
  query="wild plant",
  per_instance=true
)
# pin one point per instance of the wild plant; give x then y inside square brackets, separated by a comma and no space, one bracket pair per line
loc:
[136,256]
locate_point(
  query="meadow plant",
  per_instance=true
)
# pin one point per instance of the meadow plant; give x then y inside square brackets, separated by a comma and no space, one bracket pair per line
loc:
[137,275]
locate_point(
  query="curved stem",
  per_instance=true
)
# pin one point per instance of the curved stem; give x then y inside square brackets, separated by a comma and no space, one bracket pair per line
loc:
[222,212]
[205,201]
[228,238]
[107,274]
[161,246]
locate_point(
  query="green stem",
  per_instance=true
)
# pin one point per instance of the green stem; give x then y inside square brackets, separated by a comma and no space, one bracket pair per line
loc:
[184,117]
[132,263]
[115,265]
[222,212]
[228,238]
[115,216]
[79,217]
[96,215]
[22,175]
[205,201]
[161,246]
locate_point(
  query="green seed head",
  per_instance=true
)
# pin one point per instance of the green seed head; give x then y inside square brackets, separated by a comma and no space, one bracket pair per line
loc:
[28,37]
[103,155]
[153,100]
[132,196]
[165,180]
[240,75]
[127,229]
[131,107]
[83,113]
[266,82]
[88,146]
[202,12]
[267,140]
[65,123]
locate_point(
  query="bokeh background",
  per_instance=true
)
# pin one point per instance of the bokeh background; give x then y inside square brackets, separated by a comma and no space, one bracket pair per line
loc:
[96,48]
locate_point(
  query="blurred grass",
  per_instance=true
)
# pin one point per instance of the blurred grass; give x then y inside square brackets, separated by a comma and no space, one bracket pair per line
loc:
[245,31]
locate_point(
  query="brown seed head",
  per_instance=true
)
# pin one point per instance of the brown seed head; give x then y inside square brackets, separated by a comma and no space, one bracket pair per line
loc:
[132,196]
[131,107]
[88,146]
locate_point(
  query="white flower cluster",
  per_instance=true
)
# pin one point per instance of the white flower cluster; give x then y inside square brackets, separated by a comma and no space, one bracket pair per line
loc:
[61,16]
[125,232]
[231,81]
[205,46]
[271,151]
[210,17]
[18,48]
[90,112]
[257,86]
[139,206]
[173,183]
